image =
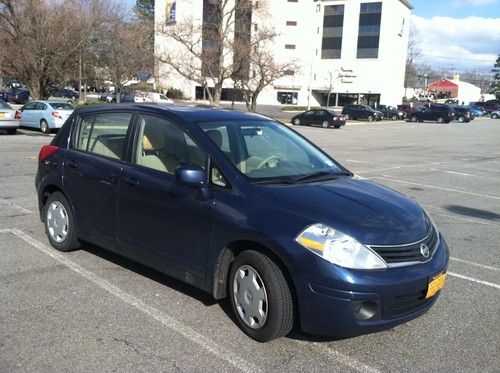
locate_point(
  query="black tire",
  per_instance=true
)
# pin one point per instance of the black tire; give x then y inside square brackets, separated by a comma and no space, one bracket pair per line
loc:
[296,122]
[71,241]
[414,119]
[370,118]
[440,119]
[44,126]
[11,131]
[325,124]
[280,310]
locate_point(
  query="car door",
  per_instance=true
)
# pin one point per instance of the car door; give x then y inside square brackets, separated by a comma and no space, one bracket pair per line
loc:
[161,222]
[320,116]
[26,114]
[38,114]
[91,171]
[309,117]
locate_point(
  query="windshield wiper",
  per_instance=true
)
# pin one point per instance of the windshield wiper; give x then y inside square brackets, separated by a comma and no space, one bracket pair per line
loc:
[275,181]
[322,175]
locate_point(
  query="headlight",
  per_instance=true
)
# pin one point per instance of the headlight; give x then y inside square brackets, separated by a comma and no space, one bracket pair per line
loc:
[338,248]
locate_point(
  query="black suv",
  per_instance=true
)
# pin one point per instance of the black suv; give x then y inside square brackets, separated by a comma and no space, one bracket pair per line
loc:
[361,112]
[462,114]
[436,113]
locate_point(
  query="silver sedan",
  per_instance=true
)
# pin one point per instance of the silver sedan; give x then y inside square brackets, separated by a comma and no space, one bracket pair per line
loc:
[10,119]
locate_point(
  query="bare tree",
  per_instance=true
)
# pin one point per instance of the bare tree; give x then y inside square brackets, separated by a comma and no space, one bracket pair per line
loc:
[412,59]
[483,80]
[40,40]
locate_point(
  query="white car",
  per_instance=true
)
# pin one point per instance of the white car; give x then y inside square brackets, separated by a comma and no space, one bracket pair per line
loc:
[152,97]
[10,119]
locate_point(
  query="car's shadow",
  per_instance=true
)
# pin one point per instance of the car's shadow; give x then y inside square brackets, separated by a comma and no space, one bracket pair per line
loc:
[189,290]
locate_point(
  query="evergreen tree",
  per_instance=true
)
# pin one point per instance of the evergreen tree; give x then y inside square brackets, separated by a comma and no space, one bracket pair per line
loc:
[145,10]
[496,81]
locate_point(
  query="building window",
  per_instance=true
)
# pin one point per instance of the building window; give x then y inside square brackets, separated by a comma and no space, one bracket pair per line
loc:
[369,30]
[242,38]
[289,73]
[293,1]
[289,46]
[333,24]
[291,23]
[212,18]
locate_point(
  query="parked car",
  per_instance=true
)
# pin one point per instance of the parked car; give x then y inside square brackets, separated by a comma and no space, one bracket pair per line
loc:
[354,111]
[242,207]
[18,95]
[407,109]
[9,118]
[65,94]
[425,98]
[462,114]
[125,96]
[437,112]
[495,114]
[320,117]
[45,115]
[152,97]
[391,112]
[477,111]
[488,106]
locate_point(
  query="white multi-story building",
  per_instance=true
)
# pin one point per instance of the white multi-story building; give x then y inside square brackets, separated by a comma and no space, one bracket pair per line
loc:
[353,49]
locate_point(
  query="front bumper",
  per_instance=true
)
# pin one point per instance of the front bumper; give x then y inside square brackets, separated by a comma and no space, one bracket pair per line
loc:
[329,297]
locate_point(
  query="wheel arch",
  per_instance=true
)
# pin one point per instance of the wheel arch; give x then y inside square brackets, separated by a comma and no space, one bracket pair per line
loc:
[228,254]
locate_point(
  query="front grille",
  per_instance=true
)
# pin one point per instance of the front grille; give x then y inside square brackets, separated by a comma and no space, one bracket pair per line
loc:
[408,253]
[409,303]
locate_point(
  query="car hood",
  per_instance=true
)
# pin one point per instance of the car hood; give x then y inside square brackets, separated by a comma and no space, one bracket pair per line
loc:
[371,213]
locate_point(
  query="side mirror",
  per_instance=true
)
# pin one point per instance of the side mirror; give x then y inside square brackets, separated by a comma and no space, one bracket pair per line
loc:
[194,177]
[191,176]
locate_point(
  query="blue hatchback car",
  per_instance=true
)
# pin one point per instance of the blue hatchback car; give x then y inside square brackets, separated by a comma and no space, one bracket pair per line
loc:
[242,207]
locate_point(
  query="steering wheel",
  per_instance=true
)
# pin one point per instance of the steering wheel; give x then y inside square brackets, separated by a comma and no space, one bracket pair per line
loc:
[268,162]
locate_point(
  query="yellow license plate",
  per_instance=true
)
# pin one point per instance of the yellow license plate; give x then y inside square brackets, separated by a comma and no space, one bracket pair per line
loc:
[435,285]
[2,115]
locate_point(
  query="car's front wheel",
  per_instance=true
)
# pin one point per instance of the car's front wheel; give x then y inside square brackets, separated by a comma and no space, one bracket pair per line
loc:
[59,223]
[461,119]
[440,119]
[325,124]
[414,119]
[296,121]
[370,118]
[260,297]
[494,116]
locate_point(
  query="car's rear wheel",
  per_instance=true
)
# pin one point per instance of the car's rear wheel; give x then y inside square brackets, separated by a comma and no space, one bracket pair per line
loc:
[59,223]
[394,117]
[325,124]
[370,118]
[11,131]
[414,119]
[494,116]
[260,297]
[296,121]
[44,126]
[440,119]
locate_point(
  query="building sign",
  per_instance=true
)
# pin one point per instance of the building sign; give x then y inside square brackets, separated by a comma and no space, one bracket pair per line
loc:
[346,75]
[170,10]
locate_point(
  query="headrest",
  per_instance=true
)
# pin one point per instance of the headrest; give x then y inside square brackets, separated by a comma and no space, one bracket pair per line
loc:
[153,138]
[215,136]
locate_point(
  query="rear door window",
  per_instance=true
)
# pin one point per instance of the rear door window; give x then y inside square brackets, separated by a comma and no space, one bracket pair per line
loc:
[103,134]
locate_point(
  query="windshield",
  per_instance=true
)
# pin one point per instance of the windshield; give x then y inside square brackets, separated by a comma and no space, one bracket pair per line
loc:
[264,150]
[62,106]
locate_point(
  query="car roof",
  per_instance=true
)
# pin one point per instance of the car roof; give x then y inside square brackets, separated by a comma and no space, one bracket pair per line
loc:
[195,114]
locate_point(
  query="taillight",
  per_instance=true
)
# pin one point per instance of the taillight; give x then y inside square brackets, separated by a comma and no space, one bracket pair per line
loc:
[57,115]
[17,116]
[46,151]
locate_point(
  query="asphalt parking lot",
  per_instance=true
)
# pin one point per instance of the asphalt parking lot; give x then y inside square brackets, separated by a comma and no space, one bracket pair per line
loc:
[90,310]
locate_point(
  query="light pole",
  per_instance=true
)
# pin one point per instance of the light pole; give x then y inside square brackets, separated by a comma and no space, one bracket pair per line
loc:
[317,9]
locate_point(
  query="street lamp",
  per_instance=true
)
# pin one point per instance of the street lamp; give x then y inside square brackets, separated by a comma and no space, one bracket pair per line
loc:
[309,93]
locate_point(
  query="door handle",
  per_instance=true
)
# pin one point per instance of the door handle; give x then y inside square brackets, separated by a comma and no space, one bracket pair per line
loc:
[132,181]
[72,163]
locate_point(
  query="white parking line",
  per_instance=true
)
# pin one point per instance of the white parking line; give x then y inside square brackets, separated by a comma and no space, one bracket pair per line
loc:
[388,178]
[168,321]
[474,280]
[12,204]
[464,174]
[399,167]
[475,264]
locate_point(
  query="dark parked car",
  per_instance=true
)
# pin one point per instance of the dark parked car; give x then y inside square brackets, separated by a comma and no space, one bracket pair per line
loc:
[65,93]
[320,117]
[462,114]
[476,111]
[489,106]
[18,95]
[242,207]
[361,112]
[391,112]
[437,113]
[407,109]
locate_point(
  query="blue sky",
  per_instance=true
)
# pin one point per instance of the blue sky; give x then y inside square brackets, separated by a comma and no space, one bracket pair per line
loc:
[456,8]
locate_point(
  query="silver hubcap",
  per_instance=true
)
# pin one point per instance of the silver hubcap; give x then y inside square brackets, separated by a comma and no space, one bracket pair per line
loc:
[250,297]
[57,221]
